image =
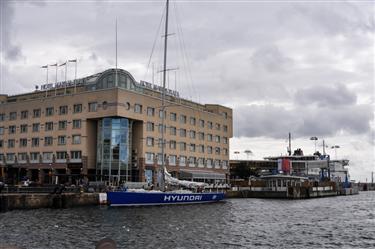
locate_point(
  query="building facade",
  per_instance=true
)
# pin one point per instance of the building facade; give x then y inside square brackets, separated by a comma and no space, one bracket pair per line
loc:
[107,127]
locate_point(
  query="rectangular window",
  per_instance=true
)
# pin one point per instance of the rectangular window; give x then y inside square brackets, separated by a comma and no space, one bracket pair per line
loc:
[225,151]
[201,135]
[62,125]
[225,140]
[36,127]
[47,156]
[1,130]
[22,156]
[173,116]
[76,124]
[201,148]
[149,158]
[192,120]
[36,113]
[225,128]
[12,129]
[1,143]
[77,108]
[217,126]
[182,119]
[192,134]
[48,141]
[24,114]
[2,117]
[225,115]
[191,161]
[172,144]
[182,146]
[23,142]
[209,149]
[217,139]
[182,132]
[209,125]
[201,123]
[150,126]
[11,143]
[75,154]
[173,130]
[217,164]
[61,155]
[160,128]
[23,128]
[192,148]
[172,160]
[13,116]
[76,139]
[217,151]
[35,142]
[160,142]
[209,163]
[201,162]
[49,111]
[48,126]
[150,141]
[10,157]
[209,137]
[161,115]
[93,106]
[61,140]
[150,111]
[34,156]
[182,161]
[138,108]
[63,110]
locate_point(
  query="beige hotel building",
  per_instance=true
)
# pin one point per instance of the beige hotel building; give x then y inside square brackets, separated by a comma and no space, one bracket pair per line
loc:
[95,129]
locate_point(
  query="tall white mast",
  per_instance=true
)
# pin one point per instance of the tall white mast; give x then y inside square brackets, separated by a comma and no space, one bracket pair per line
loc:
[116,82]
[162,184]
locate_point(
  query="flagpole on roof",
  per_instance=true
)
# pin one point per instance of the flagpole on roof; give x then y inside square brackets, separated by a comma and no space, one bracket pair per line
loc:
[75,73]
[46,67]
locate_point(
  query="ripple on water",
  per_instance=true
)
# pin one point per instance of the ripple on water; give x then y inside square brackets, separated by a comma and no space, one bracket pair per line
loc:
[340,222]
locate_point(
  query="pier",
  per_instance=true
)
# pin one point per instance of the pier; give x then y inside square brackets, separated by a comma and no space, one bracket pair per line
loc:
[12,201]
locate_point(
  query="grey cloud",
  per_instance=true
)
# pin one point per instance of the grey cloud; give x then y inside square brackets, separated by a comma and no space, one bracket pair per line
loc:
[270,58]
[273,121]
[328,96]
[11,51]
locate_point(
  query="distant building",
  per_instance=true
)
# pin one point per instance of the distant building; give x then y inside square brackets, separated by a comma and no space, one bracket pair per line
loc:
[311,166]
[92,128]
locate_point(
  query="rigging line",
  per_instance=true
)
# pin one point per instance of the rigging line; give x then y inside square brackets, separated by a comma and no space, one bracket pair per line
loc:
[153,45]
[180,50]
[188,66]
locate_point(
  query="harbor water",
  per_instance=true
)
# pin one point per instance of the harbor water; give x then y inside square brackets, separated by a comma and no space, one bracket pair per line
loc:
[336,222]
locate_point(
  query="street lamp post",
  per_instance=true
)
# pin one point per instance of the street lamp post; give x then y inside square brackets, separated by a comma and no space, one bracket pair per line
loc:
[248,153]
[315,139]
[237,153]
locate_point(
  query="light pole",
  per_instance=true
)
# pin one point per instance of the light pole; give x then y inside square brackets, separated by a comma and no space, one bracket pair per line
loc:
[248,153]
[315,139]
[335,147]
[237,153]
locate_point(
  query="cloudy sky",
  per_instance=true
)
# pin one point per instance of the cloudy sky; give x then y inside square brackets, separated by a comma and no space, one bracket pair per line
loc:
[301,66]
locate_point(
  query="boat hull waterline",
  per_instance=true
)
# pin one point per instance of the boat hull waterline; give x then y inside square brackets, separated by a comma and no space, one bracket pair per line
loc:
[159,198]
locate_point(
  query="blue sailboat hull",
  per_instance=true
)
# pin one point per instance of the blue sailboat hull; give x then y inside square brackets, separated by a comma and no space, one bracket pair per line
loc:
[160,198]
